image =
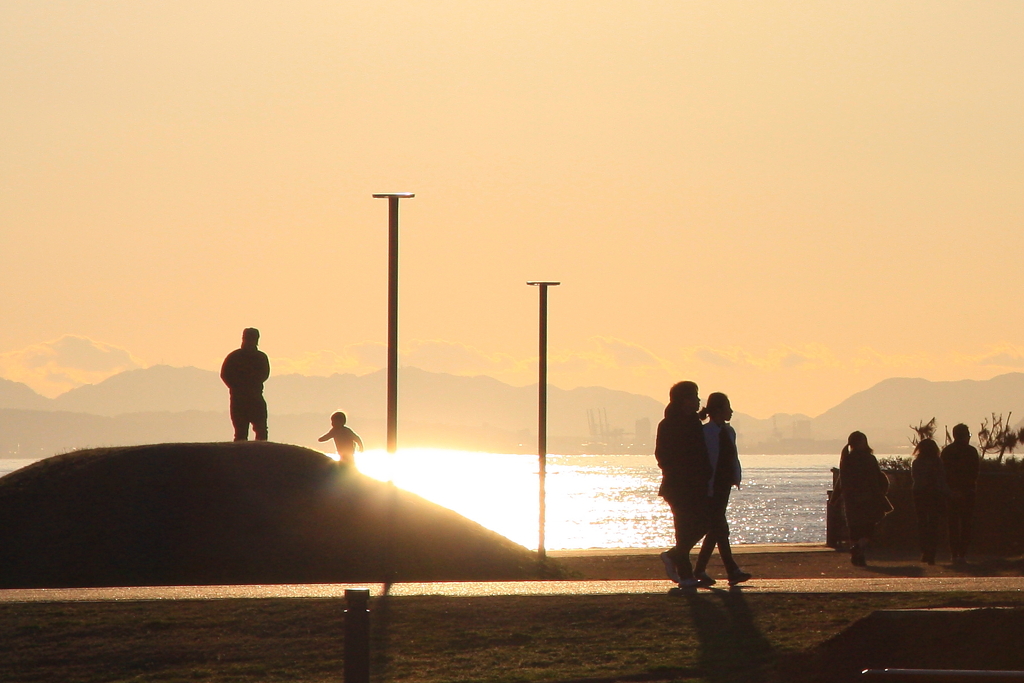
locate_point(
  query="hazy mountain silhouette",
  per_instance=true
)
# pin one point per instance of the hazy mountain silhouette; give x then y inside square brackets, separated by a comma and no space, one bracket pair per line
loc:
[891,406]
[427,397]
[163,403]
[157,388]
[18,395]
[885,412]
[41,433]
[188,404]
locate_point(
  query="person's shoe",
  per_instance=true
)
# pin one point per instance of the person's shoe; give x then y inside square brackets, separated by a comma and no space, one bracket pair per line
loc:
[670,568]
[738,576]
[685,587]
[703,580]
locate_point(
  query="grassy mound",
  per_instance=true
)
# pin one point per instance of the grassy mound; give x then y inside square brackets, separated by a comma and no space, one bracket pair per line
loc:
[226,513]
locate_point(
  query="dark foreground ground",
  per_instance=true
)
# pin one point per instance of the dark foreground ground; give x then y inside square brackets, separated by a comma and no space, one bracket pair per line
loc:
[715,636]
[711,636]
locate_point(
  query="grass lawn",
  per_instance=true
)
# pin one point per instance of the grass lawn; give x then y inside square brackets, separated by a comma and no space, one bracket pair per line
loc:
[714,636]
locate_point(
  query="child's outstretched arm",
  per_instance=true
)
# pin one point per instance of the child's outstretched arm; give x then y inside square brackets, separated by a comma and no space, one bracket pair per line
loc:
[327,436]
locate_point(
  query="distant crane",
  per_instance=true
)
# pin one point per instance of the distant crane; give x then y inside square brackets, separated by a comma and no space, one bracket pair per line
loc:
[600,427]
[597,420]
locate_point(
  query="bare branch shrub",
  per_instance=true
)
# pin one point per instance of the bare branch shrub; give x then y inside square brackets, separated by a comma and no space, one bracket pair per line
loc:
[922,431]
[998,437]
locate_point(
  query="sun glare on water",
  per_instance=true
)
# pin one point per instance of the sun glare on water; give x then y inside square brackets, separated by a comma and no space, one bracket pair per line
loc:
[496,490]
[604,501]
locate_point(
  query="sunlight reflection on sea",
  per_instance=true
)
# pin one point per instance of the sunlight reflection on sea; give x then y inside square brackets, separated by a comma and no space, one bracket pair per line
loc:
[606,501]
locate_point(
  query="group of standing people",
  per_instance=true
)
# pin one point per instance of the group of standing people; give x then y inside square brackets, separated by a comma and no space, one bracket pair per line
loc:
[700,465]
[944,484]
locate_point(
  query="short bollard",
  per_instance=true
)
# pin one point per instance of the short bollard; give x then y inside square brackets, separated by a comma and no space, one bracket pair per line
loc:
[357,636]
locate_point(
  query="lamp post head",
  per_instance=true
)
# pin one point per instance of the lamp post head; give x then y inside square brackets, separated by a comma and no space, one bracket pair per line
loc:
[396,195]
[542,283]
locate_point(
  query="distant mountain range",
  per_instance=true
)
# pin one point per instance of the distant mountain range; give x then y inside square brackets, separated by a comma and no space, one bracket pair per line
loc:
[886,411]
[164,403]
[435,409]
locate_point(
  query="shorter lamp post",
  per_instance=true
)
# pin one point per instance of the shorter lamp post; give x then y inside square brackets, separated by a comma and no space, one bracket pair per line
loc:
[542,408]
[392,415]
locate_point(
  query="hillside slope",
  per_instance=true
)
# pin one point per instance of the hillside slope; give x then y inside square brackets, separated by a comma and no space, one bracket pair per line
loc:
[229,513]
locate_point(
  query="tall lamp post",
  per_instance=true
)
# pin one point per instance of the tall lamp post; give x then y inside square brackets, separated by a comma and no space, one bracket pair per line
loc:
[542,408]
[393,199]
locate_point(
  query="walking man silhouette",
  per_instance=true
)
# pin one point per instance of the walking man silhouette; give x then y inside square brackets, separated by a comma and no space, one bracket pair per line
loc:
[685,472]
[244,371]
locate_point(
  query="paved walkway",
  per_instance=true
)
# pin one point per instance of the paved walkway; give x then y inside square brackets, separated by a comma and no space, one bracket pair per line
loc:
[479,589]
[737,549]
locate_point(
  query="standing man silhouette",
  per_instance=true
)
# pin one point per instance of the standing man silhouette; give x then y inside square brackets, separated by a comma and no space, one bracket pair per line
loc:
[962,463]
[244,371]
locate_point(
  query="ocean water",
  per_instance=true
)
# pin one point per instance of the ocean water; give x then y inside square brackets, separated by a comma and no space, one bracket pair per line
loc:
[600,501]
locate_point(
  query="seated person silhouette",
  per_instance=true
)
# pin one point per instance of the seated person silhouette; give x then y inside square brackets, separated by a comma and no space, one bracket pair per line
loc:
[345,440]
[244,371]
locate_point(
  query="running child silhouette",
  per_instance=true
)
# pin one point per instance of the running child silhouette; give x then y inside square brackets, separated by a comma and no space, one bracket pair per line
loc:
[345,440]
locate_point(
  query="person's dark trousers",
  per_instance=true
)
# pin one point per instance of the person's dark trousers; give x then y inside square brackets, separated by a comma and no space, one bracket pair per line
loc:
[718,534]
[246,410]
[961,522]
[929,506]
[689,517]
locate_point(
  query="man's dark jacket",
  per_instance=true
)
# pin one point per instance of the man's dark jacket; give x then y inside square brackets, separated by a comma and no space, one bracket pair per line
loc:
[682,456]
[961,462]
[244,371]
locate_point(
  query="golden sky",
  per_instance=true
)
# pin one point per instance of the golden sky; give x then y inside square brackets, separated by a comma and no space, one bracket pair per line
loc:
[786,201]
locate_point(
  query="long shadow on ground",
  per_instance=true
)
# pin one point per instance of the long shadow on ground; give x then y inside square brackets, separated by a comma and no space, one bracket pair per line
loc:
[732,646]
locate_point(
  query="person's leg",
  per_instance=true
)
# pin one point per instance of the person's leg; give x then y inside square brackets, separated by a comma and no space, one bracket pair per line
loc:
[954,524]
[725,552]
[715,523]
[704,556]
[967,522]
[860,534]
[682,518]
[736,575]
[938,522]
[668,557]
[923,520]
[239,419]
[259,418]
[688,517]
[930,538]
[719,530]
